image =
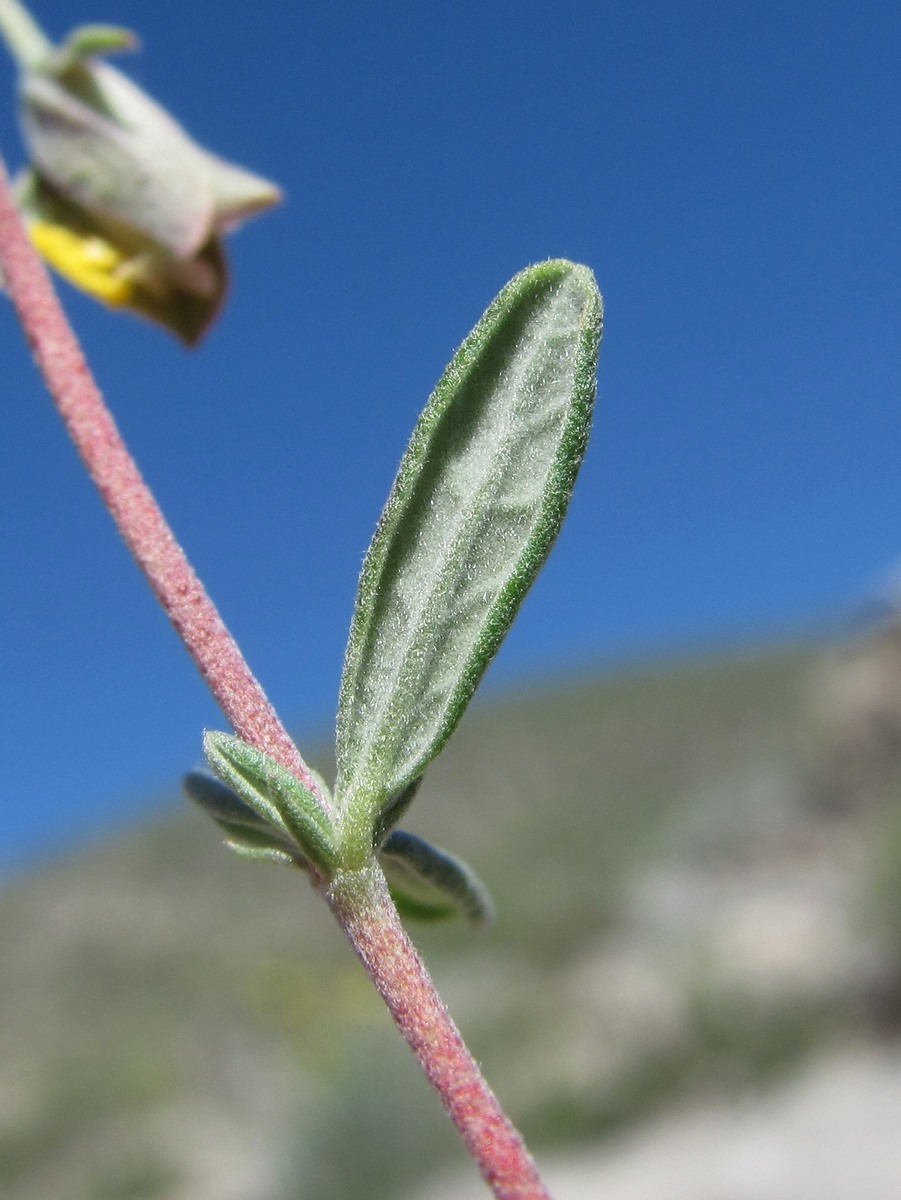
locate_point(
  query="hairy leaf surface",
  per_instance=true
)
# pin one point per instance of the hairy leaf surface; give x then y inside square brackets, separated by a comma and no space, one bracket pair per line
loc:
[479,498]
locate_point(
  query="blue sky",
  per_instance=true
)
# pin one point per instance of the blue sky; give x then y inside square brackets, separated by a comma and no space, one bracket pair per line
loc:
[731,173]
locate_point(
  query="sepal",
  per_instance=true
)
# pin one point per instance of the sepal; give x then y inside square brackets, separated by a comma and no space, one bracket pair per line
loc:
[88,41]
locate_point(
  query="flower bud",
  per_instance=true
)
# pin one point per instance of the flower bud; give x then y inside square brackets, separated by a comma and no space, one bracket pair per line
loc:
[118,198]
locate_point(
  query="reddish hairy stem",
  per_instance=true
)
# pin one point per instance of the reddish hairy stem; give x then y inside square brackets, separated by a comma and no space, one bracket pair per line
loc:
[360,900]
[362,904]
[130,501]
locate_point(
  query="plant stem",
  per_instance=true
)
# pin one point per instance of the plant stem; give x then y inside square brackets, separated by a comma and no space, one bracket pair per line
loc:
[362,904]
[359,899]
[131,503]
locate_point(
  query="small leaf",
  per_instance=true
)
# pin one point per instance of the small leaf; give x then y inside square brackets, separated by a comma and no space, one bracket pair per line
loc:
[247,832]
[478,501]
[279,799]
[245,849]
[430,883]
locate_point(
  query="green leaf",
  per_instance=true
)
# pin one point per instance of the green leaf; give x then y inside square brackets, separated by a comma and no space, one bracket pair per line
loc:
[430,883]
[276,797]
[247,832]
[478,501]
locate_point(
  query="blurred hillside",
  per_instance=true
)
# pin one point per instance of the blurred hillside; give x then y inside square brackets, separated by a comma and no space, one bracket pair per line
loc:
[697,869]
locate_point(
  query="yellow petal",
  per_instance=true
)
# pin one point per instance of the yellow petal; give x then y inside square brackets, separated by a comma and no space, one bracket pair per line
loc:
[86,260]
